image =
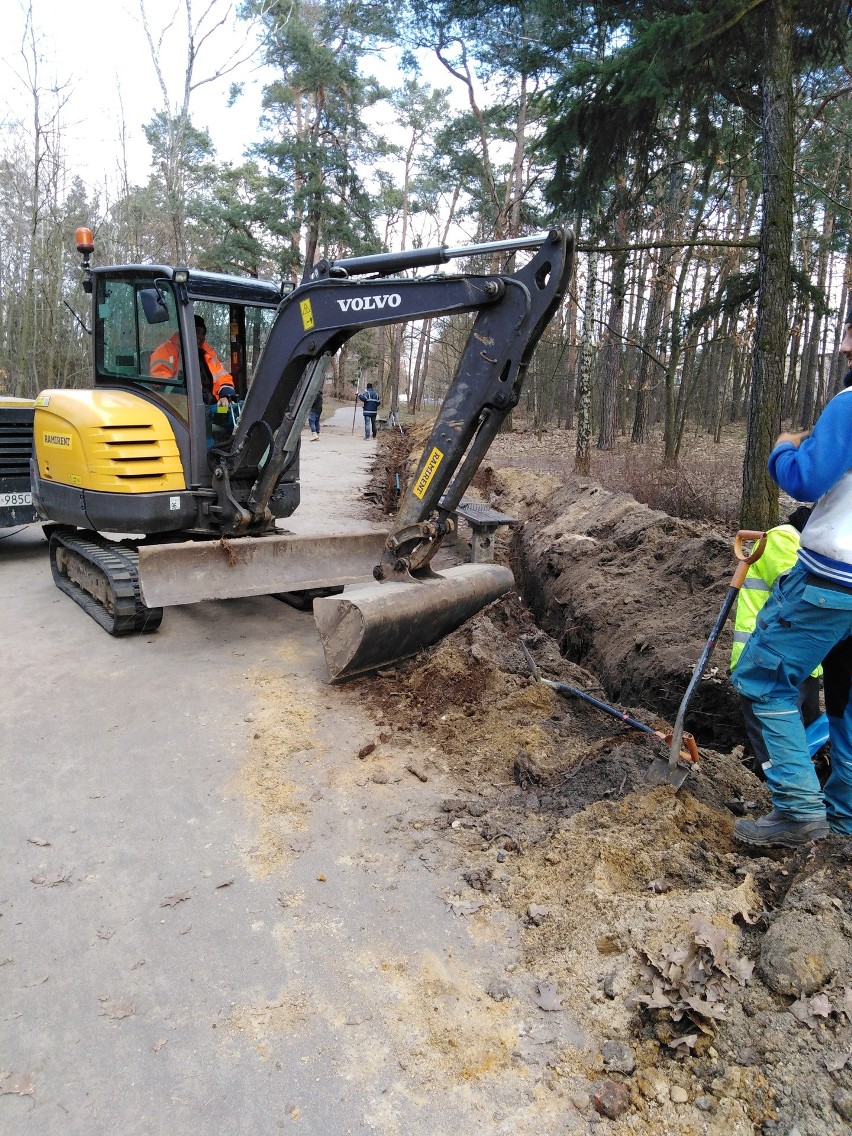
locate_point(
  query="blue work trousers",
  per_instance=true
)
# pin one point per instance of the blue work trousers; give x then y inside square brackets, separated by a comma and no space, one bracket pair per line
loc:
[369,424]
[314,421]
[803,620]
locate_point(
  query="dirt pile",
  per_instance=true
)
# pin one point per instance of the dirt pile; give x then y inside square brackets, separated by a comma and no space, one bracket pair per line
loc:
[696,989]
[628,592]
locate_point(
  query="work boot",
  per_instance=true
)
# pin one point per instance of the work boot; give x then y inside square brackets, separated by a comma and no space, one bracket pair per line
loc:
[776,829]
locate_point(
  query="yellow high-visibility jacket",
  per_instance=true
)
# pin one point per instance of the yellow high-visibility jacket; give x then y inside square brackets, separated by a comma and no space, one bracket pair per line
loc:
[779,556]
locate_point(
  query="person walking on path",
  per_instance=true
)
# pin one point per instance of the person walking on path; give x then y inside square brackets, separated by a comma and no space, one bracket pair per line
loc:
[314,416]
[371,401]
[805,621]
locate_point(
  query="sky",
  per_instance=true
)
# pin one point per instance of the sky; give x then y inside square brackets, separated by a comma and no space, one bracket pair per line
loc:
[96,51]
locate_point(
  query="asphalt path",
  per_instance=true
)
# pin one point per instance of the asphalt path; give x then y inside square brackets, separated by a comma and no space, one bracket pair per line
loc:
[211,919]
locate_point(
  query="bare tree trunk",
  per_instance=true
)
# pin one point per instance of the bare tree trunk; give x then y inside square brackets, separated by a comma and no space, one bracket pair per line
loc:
[582,459]
[759,506]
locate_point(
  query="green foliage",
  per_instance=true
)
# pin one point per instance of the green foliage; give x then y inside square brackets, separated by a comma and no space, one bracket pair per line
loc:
[644,63]
[314,115]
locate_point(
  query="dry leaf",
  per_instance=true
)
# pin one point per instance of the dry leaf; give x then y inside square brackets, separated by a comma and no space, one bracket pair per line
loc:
[741,969]
[20,1084]
[707,934]
[225,883]
[105,933]
[158,1045]
[38,982]
[464,907]
[118,1010]
[178,897]
[548,998]
[660,886]
[801,1011]
[834,1062]
[60,876]
[706,1008]
[40,841]
[684,1044]
[821,1006]
[656,1000]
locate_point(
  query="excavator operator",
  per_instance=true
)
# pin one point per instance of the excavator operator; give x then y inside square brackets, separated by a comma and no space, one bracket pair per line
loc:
[216,383]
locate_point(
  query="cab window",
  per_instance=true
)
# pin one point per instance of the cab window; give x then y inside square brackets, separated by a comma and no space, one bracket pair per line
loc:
[139,341]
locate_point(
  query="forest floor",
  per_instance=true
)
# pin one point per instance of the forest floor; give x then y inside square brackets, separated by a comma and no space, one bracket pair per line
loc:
[666,981]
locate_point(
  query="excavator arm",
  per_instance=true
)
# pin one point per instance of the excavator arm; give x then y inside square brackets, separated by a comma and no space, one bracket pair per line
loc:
[324,312]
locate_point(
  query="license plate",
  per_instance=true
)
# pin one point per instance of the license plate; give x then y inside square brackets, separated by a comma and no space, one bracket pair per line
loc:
[7,499]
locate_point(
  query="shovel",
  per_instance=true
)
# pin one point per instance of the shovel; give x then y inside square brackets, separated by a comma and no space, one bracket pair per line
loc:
[675,770]
[689,753]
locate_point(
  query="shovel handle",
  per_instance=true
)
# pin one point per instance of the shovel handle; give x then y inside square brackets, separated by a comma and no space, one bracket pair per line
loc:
[745,559]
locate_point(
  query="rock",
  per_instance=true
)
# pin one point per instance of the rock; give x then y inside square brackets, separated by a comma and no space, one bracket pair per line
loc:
[525,770]
[581,1101]
[645,1087]
[679,1095]
[618,1056]
[476,809]
[537,915]
[498,990]
[842,1101]
[610,1098]
[480,879]
[705,1104]
[800,954]
[380,777]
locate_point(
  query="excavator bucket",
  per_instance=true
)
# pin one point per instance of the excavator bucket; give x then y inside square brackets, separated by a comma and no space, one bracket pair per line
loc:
[372,626]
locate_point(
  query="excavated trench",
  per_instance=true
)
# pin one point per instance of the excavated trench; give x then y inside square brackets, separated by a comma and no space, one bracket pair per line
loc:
[707,990]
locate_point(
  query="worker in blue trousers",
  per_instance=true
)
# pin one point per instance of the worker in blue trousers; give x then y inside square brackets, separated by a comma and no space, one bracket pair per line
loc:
[805,621]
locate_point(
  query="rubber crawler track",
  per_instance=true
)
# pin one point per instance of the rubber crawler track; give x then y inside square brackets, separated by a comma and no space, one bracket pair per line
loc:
[119,566]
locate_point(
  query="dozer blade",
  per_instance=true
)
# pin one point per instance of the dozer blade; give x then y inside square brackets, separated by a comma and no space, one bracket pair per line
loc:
[379,624]
[171,574]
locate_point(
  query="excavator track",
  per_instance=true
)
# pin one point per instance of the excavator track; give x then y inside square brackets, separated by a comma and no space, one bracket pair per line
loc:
[103,578]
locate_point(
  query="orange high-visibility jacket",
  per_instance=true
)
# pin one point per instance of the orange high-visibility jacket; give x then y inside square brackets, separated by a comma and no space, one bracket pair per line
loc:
[165,362]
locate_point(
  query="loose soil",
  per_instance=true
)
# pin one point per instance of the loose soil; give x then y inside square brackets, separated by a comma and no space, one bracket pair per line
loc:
[665,981]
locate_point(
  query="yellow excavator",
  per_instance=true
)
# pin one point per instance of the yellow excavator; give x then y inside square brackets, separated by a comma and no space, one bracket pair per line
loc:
[147,452]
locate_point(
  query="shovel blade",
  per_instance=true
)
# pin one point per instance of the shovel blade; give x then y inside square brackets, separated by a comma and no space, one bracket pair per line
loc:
[662,771]
[373,626]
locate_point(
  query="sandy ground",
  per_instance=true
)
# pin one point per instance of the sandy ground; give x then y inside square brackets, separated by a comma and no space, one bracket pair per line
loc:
[214,917]
[238,899]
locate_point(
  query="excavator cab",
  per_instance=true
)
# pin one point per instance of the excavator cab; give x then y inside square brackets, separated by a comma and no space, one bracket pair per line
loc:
[132,453]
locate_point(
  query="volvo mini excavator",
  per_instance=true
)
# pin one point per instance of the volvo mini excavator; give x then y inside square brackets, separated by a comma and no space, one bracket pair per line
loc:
[142,453]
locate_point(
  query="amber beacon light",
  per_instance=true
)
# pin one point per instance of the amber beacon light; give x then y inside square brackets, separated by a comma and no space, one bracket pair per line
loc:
[85,242]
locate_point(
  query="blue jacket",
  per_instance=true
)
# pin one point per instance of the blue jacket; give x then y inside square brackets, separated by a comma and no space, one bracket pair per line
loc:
[820,469]
[371,400]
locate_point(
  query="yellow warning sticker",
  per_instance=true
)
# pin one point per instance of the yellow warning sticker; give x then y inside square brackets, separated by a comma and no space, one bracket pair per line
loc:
[307,314]
[429,471]
[63,440]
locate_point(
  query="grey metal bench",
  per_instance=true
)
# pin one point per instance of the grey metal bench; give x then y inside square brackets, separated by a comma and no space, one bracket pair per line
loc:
[484,523]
